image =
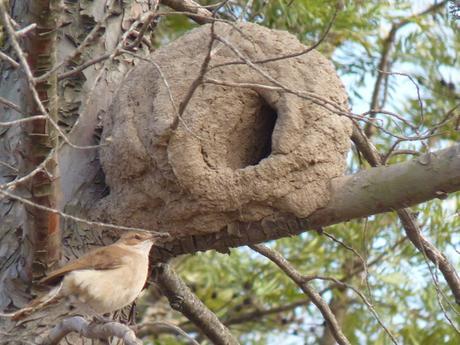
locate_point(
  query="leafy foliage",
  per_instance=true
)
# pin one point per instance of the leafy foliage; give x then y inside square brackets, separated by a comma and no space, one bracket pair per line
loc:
[399,282]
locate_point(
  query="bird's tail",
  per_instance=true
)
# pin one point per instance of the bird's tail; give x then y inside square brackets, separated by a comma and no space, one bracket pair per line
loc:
[35,304]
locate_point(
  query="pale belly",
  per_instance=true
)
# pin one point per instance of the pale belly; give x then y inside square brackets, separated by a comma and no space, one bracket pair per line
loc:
[105,291]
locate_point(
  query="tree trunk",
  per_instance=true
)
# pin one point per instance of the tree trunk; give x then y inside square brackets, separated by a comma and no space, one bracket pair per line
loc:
[77,102]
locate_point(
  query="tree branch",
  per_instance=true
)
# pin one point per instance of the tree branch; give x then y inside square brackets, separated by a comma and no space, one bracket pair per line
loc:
[410,225]
[314,296]
[91,330]
[376,190]
[190,6]
[182,299]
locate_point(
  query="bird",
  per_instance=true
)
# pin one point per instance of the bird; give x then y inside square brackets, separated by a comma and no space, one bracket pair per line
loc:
[102,281]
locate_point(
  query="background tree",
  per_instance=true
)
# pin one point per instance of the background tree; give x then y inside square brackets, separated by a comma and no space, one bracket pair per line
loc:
[64,62]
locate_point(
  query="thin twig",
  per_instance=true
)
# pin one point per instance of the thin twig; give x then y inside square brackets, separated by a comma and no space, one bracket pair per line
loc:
[11,105]
[314,296]
[78,219]
[87,41]
[8,59]
[176,329]
[287,56]
[30,78]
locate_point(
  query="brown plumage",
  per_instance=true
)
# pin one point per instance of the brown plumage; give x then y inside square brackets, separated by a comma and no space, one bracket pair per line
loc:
[104,279]
[97,259]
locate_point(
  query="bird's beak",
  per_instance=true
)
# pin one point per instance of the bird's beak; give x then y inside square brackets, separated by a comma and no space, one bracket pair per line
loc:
[152,237]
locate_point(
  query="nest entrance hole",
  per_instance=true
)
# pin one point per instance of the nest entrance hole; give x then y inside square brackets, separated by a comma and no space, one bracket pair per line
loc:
[252,142]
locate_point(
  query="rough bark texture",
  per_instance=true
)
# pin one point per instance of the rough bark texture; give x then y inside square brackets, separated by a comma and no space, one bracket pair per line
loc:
[237,155]
[82,98]
[182,299]
[40,138]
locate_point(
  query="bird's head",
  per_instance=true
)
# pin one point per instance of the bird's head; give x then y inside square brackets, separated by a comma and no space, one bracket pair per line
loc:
[138,240]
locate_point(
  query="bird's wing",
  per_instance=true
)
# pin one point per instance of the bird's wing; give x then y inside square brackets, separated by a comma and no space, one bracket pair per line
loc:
[98,259]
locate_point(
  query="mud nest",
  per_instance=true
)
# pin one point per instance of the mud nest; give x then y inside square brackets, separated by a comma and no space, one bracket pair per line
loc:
[237,153]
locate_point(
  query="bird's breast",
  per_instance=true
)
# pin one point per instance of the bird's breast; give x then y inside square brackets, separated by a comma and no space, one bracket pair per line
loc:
[105,291]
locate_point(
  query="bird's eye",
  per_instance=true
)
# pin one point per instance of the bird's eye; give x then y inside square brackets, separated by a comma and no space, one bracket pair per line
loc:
[137,237]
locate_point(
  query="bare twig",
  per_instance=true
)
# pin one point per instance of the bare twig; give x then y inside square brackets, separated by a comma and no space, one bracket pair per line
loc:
[78,219]
[8,59]
[321,101]
[156,327]
[199,14]
[314,296]
[287,56]
[9,166]
[23,120]
[83,66]
[354,251]
[26,30]
[364,299]
[302,282]
[11,105]
[198,80]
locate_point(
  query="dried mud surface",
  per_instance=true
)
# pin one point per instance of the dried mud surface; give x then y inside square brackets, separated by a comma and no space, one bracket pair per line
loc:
[237,154]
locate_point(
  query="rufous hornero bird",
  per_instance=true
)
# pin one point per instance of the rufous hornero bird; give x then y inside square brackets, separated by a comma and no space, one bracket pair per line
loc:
[103,280]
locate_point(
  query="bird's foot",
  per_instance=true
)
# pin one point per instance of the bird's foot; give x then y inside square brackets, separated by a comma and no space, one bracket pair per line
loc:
[176,302]
[101,319]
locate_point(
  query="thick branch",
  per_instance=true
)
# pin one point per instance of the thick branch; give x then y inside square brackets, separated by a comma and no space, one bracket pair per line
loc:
[410,225]
[368,192]
[184,300]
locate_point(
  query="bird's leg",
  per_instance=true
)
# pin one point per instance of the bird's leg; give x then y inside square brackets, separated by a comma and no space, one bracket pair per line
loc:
[102,319]
[176,302]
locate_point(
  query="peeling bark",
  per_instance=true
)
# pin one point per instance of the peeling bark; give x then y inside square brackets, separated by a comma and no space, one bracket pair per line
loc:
[78,102]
